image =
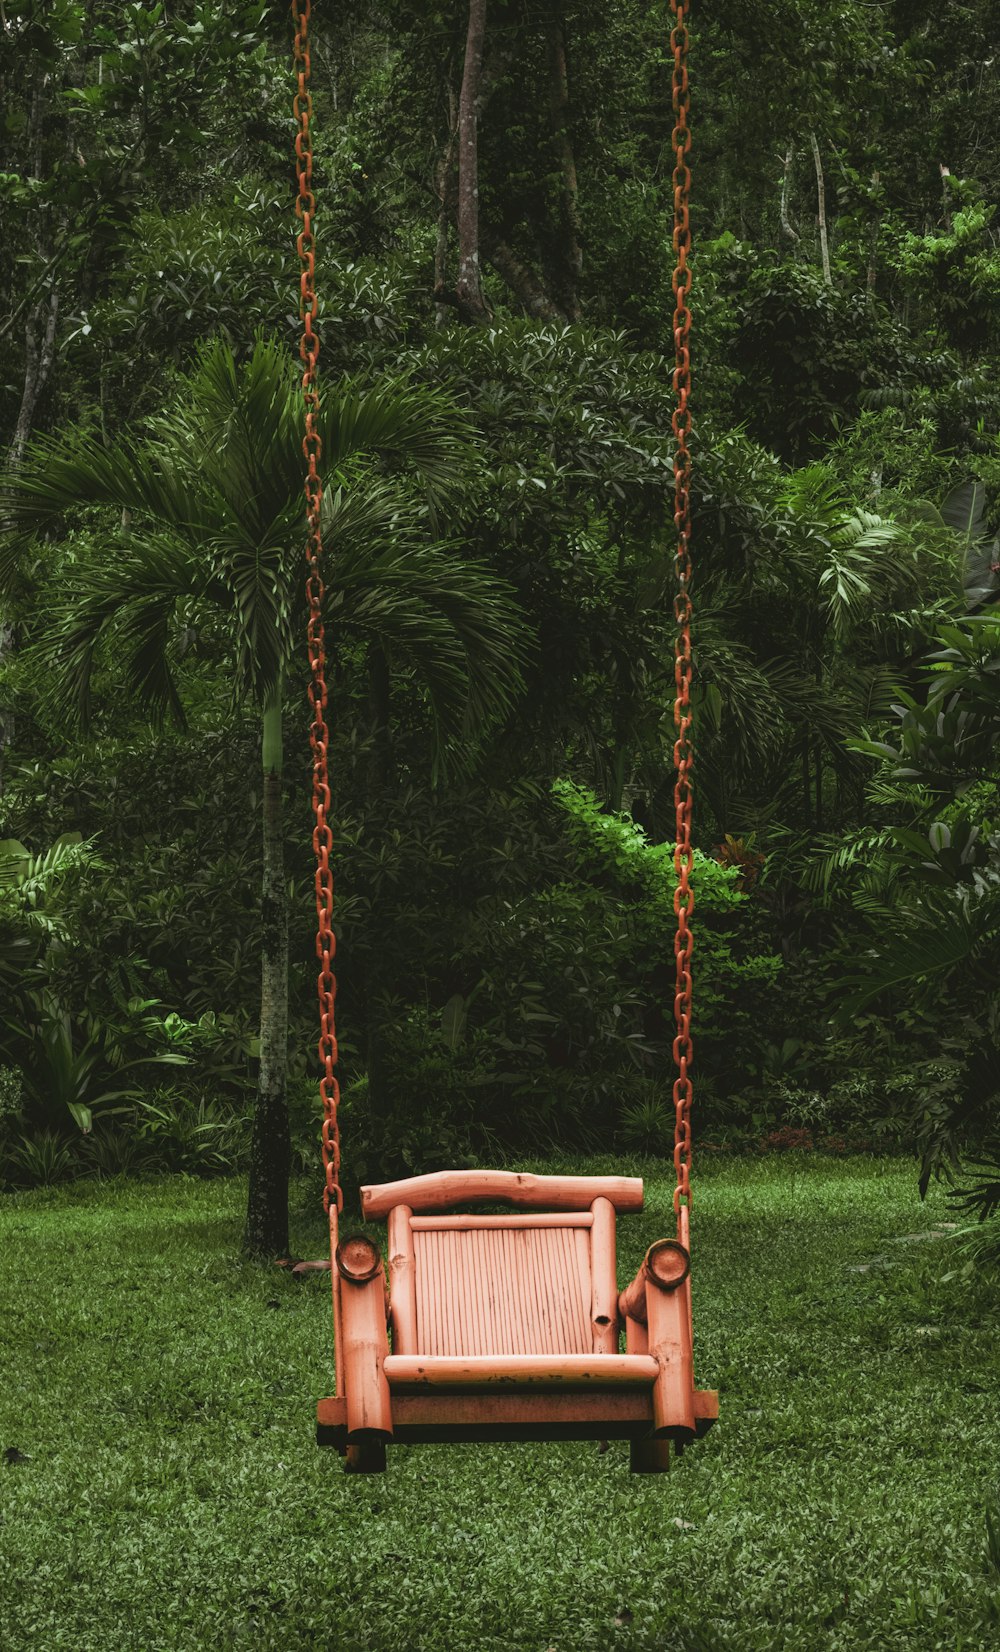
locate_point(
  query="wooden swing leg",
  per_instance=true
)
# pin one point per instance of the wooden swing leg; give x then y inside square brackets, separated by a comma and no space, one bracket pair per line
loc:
[365,1454]
[649,1456]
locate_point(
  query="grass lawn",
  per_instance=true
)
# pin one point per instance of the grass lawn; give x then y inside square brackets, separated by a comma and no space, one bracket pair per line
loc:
[162,1395]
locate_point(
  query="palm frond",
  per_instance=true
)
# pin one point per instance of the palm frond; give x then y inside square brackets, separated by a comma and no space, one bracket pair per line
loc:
[830,857]
[406,424]
[216,492]
[449,618]
[922,947]
[127,599]
[65,471]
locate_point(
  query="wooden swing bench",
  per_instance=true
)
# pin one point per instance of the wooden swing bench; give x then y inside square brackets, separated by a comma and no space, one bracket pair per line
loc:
[506,1327]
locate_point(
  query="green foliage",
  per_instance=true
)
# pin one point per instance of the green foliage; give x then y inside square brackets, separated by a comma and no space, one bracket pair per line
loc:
[613,844]
[499,563]
[196,273]
[441,1089]
[33,895]
[10,1092]
[804,352]
[200,1137]
[217,492]
[79,1072]
[547,1015]
[171,913]
[38,1160]
[955,274]
[943,947]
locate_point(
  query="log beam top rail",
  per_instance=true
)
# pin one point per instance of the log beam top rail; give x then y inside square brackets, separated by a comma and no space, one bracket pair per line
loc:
[445,1188]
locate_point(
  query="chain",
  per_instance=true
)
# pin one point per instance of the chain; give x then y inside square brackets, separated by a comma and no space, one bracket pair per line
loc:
[319,734]
[683,852]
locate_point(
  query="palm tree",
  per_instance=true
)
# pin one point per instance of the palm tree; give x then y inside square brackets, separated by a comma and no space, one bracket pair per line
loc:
[212,517]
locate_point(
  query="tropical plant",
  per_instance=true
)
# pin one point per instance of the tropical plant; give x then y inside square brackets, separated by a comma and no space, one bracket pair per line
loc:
[67,1069]
[65,1066]
[29,897]
[201,1137]
[215,519]
[39,1160]
[933,938]
[116,1149]
[964,511]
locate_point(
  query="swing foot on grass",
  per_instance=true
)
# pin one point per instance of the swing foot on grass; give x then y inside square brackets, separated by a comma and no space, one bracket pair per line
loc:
[366,1456]
[649,1456]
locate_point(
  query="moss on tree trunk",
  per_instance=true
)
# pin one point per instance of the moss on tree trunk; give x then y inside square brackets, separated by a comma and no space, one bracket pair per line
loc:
[266,1231]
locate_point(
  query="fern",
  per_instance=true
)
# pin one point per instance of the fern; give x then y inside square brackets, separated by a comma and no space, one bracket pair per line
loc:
[835,857]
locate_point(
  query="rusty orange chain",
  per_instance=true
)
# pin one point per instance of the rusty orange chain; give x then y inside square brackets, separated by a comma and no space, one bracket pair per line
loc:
[683,852]
[319,734]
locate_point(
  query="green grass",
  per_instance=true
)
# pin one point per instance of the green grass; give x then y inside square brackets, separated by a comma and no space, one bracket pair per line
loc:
[173,1497]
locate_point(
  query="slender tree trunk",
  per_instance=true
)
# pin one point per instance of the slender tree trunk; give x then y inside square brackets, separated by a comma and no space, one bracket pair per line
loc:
[872,272]
[43,315]
[819,785]
[270,1149]
[786,190]
[444,184]
[39,354]
[946,196]
[571,249]
[824,247]
[468,287]
[6,712]
[522,281]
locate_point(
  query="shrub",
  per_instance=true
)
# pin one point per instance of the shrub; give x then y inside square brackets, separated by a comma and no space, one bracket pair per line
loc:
[558,1026]
[40,1160]
[199,1136]
[110,1151]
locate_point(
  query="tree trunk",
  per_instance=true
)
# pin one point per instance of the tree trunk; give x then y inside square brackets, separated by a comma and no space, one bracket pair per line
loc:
[946,195]
[39,354]
[444,184]
[824,248]
[786,190]
[818,776]
[872,272]
[571,245]
[6,712]
[266,1231]
[522,281]
[468,287]
[43,315]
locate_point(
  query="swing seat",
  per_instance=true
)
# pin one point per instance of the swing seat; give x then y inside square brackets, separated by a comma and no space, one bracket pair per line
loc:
[506,1327]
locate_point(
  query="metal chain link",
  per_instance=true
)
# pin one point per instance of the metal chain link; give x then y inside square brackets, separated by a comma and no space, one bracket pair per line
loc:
[683,852]
[319,735]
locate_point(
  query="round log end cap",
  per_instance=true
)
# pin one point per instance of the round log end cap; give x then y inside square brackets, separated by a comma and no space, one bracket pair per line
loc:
[358,1258]
[668,1264]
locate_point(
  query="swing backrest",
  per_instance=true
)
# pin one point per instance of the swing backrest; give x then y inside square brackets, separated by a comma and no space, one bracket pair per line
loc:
[542,1283]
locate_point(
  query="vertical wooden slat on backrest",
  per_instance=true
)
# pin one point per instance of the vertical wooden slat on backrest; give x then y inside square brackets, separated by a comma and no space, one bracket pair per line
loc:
[604,1279]
[499,1290]
[402,1282]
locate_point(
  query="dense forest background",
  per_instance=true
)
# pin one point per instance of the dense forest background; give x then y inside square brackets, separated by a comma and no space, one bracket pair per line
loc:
[500,587]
